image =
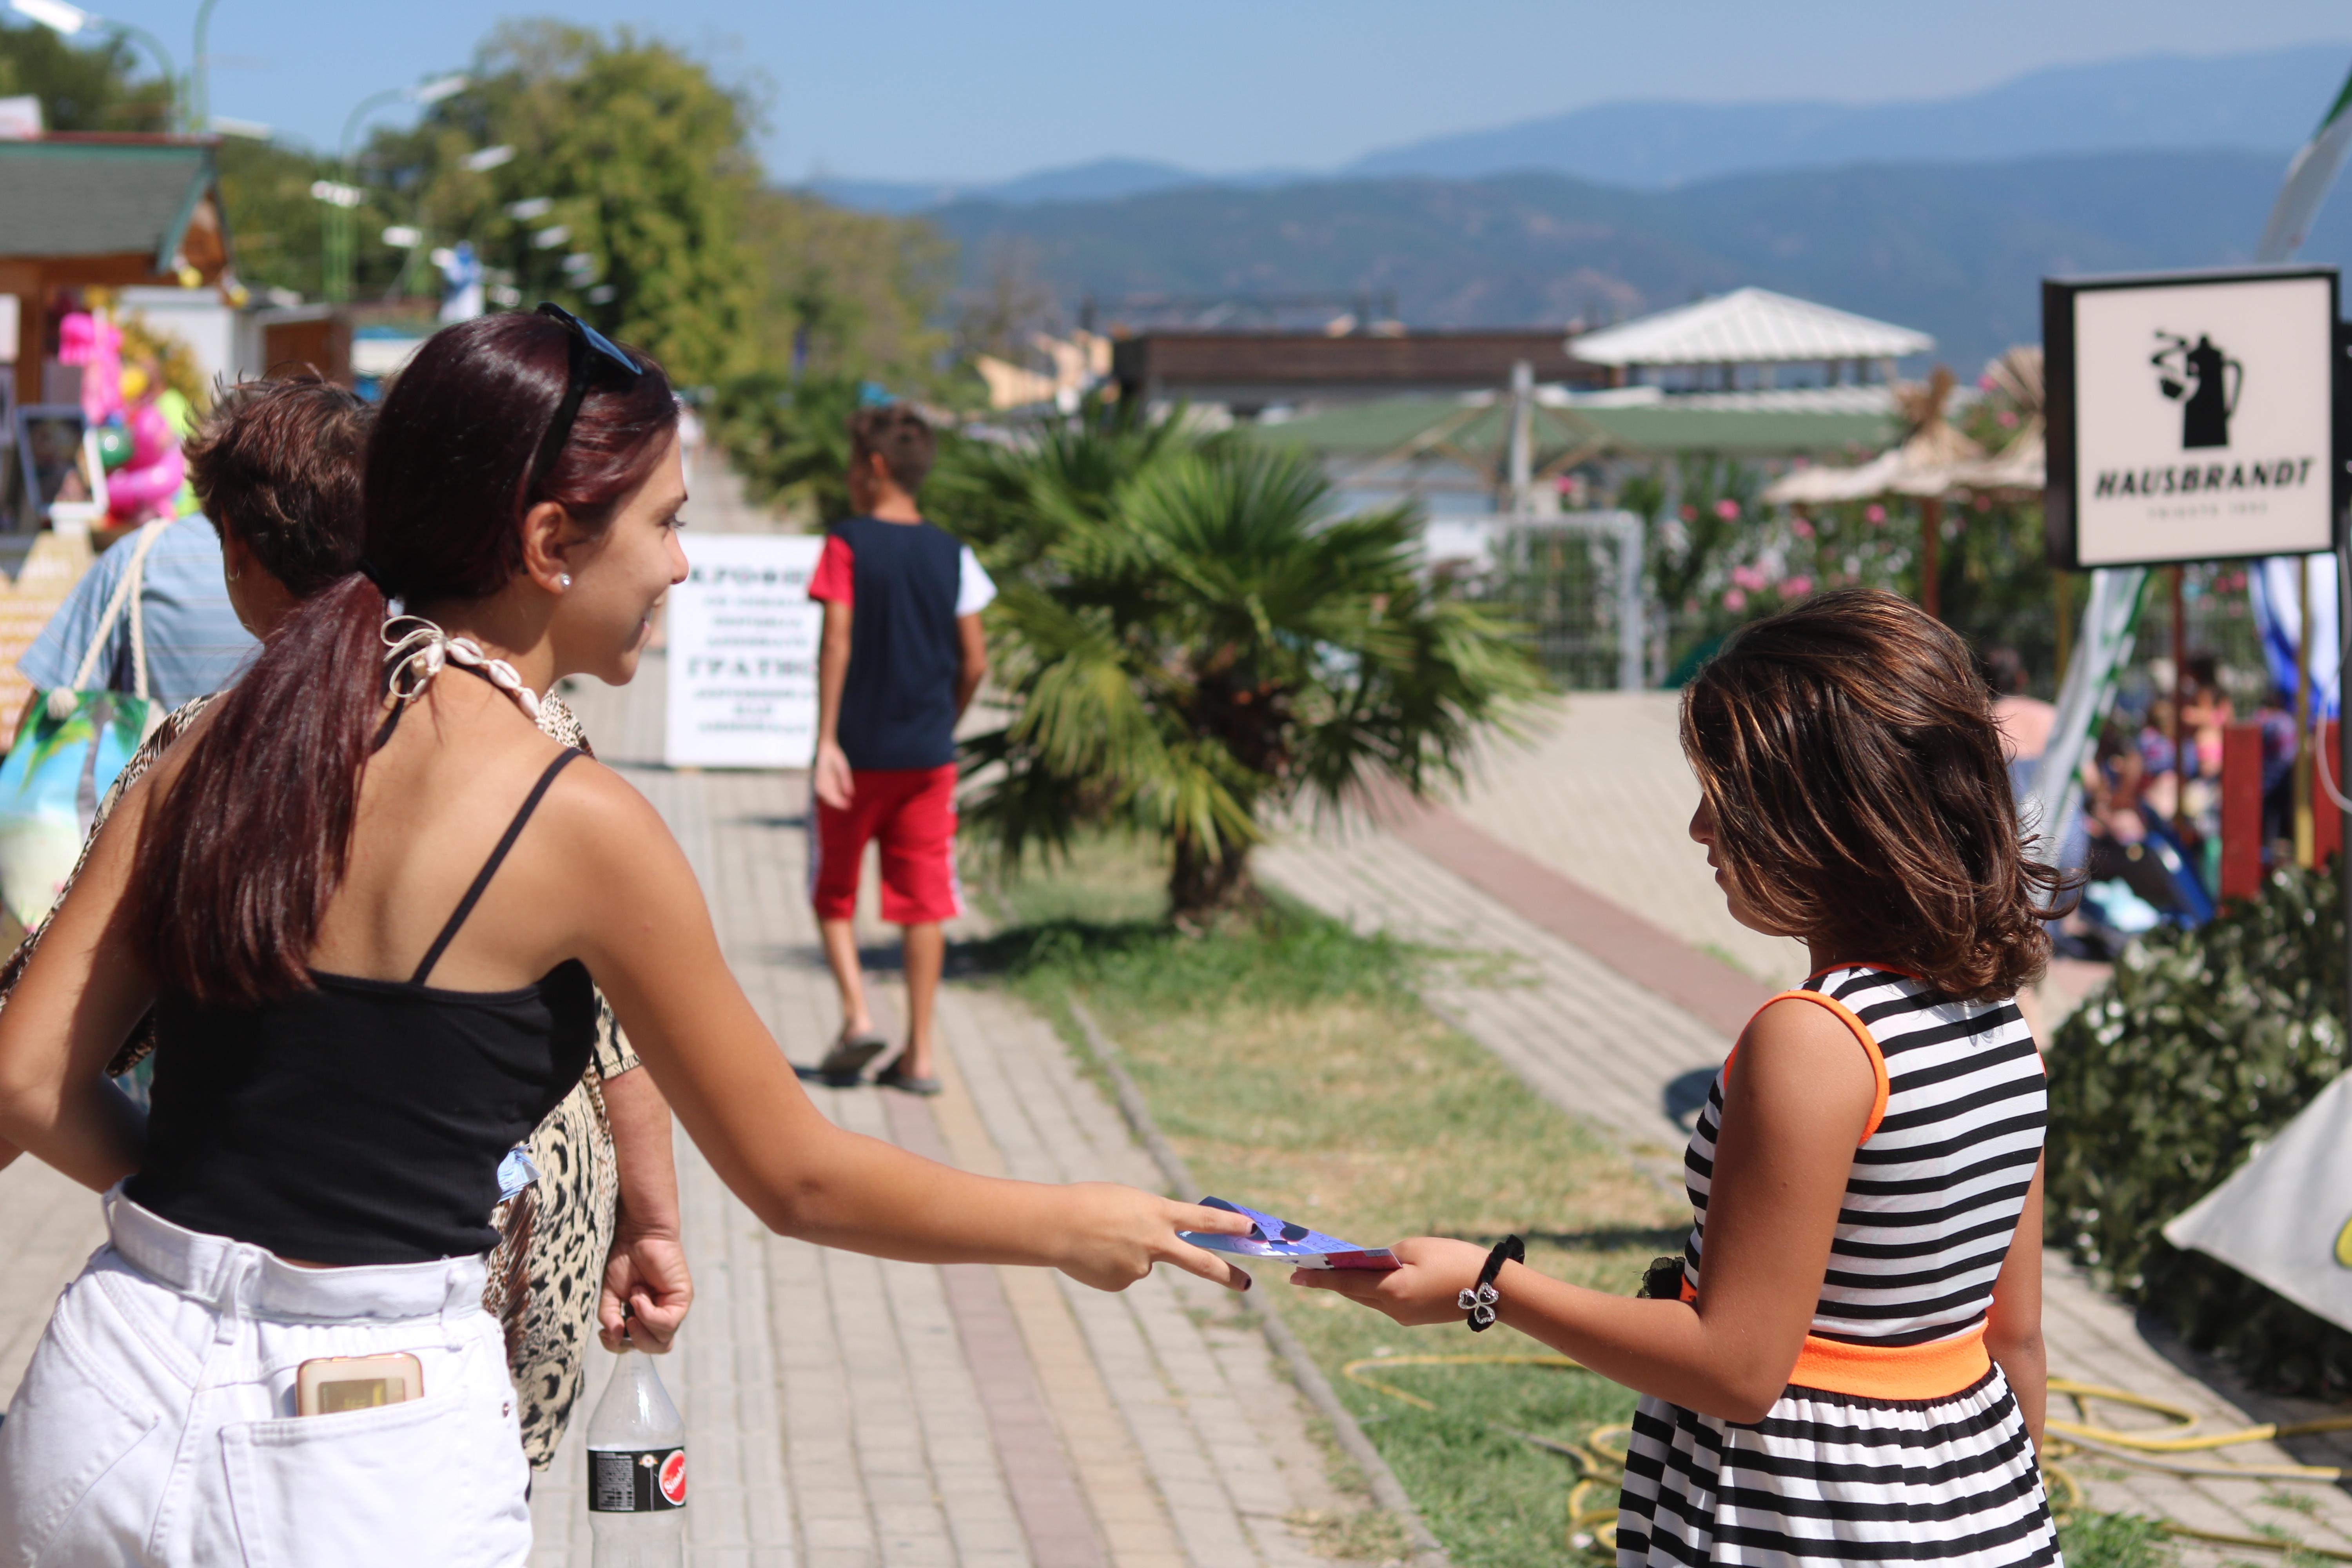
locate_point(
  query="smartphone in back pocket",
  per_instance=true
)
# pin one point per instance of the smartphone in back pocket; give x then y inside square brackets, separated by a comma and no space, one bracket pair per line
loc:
[329,1384]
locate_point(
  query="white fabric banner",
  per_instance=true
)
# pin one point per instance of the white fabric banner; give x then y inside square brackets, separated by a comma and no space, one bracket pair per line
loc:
[2285,1218]
[742,652]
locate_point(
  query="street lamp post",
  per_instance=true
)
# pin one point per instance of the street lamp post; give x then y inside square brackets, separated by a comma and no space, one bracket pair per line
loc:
[200,71]
[68,21]
[342,220]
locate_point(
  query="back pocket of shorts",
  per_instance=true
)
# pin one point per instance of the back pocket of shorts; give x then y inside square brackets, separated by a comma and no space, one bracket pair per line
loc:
[67,1427]
[400,1484]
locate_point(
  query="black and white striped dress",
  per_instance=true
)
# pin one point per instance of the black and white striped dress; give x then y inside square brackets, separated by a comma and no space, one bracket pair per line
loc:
[1842,1474]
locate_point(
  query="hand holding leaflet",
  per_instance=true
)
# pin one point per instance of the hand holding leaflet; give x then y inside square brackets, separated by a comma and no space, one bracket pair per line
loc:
[1288,1243]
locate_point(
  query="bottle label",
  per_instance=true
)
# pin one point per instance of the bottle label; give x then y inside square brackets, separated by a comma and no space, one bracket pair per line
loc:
[635,1480]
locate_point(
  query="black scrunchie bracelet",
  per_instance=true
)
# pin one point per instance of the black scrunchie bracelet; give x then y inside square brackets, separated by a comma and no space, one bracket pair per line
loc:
[1481,1301]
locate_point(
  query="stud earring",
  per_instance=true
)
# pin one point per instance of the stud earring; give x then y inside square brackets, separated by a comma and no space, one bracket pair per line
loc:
[563,579]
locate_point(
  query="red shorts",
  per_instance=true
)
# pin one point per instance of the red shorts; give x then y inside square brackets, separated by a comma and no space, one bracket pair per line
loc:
[912,812]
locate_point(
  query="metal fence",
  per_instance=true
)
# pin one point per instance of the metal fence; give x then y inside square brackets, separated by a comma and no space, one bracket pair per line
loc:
[1571,584]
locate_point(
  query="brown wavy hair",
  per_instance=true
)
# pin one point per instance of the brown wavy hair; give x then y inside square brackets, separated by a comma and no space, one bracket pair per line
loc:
[1848,753]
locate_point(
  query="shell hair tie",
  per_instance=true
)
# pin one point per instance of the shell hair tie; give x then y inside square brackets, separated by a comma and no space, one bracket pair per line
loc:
[416,650]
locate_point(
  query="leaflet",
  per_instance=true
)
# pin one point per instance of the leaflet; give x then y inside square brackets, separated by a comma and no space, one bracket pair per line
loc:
[1286,1242]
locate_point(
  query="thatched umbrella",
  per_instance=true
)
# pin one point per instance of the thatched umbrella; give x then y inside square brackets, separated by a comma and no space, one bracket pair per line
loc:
[1921,467]
[2018,471]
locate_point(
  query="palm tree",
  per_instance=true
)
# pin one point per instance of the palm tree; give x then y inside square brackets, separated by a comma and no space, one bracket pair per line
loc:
[1191,637]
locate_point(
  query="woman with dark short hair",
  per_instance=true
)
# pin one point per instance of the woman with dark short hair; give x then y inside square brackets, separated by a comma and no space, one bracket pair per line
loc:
[276,464]
[365,897]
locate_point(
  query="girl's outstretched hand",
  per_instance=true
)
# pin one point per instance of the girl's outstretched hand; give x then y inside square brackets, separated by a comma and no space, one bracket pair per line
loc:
[1426,1287]
[1116,1234]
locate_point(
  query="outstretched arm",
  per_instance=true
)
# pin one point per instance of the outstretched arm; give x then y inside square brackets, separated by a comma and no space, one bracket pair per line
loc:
[1800,1094]
[649,940]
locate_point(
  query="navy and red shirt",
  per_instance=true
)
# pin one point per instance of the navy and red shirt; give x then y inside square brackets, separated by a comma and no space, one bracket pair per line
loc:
[907,582]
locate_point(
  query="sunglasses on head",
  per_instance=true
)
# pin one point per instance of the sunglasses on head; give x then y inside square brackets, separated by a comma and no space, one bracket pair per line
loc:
[592,351]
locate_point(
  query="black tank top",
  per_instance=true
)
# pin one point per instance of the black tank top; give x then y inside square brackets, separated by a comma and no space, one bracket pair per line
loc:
[362,1120]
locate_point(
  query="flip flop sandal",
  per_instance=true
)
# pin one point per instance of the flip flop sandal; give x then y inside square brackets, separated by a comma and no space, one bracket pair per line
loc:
[846,1064]
[894,1076]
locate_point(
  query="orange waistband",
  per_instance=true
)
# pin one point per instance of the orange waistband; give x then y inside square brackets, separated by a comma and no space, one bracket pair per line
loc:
[1935,1371]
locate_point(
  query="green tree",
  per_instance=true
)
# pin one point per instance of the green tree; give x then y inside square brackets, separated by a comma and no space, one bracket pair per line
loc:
[1191,637]
[82,89]
[278,228]
[852,294]
[791,439]
[645,164]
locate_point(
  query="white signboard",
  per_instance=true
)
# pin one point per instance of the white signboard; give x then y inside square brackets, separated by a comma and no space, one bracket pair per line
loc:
[742,652]
[2191,417]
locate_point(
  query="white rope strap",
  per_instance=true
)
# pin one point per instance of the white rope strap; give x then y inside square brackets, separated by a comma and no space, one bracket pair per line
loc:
[417,650]
[126,592]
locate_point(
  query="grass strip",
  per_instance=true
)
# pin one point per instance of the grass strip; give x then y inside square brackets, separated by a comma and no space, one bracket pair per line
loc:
[1292,1066]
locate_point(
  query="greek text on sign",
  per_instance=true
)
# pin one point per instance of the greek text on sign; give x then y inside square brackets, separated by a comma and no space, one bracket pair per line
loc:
[2191,417]
[742,652]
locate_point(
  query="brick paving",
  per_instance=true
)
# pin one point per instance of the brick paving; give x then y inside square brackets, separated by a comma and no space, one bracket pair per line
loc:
[1592,816]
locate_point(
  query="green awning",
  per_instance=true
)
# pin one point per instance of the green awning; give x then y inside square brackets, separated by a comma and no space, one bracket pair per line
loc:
[98,198]
[1370,429]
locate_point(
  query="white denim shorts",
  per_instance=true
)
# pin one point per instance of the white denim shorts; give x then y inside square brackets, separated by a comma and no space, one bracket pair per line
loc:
[156,1423]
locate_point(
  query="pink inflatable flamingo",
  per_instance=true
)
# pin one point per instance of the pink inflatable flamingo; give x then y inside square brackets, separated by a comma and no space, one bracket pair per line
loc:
[145,487]
[95,344]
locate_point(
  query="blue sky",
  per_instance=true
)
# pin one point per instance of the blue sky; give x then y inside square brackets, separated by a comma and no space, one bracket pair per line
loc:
[951,89]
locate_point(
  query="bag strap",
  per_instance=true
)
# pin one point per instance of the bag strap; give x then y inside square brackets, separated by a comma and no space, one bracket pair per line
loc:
[126,590]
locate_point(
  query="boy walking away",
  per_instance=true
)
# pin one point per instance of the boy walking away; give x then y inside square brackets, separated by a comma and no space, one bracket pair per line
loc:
[901,656]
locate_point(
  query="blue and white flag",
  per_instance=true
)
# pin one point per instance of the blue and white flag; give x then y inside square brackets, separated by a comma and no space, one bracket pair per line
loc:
[2278,620]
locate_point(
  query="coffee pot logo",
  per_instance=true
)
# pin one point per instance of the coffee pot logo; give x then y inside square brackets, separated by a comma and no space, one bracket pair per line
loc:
[2204,381]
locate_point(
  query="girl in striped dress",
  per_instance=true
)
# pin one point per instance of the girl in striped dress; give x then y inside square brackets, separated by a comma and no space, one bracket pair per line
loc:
[1851,1368]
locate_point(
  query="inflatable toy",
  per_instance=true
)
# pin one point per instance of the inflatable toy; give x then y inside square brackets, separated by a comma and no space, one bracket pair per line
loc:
[148,485]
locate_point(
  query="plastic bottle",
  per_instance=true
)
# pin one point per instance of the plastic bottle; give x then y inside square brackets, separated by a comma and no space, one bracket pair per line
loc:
[636,1471]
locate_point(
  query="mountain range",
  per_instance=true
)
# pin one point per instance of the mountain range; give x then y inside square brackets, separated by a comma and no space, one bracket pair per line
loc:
[1943,215]
[2268,101]
[1955,250]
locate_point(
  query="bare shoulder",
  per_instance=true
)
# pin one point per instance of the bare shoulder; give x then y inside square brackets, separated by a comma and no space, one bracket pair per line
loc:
[602,819]
[590,798]
[1805,1057]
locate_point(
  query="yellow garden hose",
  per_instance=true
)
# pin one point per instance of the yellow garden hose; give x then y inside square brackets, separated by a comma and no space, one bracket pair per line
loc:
[1600,1455]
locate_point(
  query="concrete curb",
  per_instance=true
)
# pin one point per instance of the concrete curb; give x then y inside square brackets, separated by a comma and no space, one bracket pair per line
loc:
[1387,1491]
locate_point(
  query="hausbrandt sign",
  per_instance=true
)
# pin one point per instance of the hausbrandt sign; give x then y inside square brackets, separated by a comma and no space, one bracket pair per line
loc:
[2191,416]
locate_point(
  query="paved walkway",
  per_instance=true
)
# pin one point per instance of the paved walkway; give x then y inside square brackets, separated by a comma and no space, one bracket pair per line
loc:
[847,1412]
[1602,800]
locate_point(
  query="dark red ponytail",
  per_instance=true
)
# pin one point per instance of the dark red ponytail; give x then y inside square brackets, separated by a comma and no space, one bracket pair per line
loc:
[240,857]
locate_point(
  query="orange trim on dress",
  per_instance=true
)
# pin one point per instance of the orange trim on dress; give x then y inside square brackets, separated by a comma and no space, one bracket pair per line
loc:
[1935,1371]
[1846,1015]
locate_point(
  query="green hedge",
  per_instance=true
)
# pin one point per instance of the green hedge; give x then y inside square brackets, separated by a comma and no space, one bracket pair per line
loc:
[2205,1043]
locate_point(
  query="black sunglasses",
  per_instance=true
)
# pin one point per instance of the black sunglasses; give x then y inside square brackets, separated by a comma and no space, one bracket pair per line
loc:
[590,349]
